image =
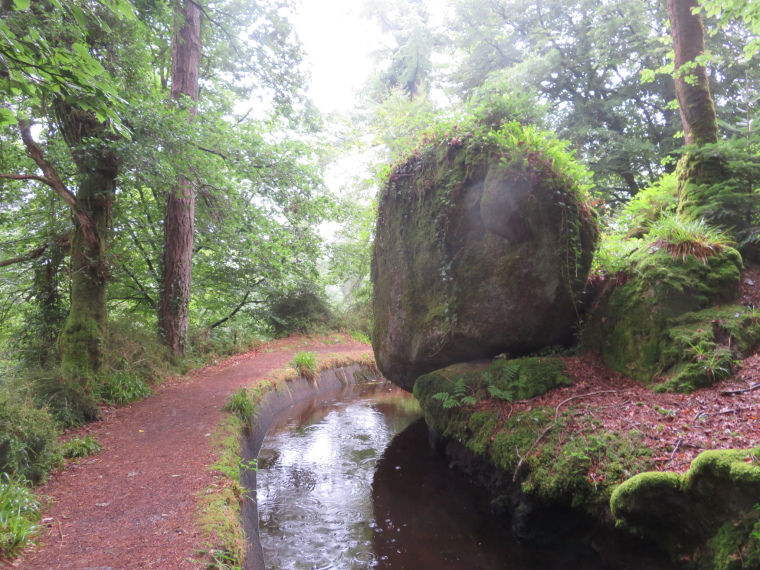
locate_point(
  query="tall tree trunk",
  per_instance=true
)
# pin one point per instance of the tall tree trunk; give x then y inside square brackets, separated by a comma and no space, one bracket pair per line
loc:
[697,174]
[82,337]
[179,220]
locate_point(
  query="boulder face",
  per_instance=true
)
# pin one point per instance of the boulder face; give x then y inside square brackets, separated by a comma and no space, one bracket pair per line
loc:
[482,247]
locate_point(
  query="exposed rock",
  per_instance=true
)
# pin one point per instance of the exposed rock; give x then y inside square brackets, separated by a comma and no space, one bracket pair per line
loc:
[482,247]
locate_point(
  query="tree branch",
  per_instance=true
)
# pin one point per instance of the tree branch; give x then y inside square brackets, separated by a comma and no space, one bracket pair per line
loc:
[34,254]
[61,241]
[240,306]
[27,177]
[52,179]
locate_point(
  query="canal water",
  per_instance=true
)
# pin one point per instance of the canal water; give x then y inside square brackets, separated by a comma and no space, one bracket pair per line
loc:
[348,481]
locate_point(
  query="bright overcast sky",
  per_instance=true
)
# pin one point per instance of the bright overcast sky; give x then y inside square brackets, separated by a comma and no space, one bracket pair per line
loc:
[337,42]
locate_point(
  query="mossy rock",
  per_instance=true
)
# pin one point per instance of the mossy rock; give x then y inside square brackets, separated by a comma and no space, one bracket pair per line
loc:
[482,247]
[705,515]
[577,468]
[701,348]
[634,325]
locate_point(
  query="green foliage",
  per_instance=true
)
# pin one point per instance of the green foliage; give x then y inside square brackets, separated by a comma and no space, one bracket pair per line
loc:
[305,364]
[525,378]
[123,388]
[45,54]
[647,207]
[28,440]
[359,336]
[243,406]
[78,447]
[300,311]
[682,237]
[19,515]
[613,254]
[458,394]
[728,12]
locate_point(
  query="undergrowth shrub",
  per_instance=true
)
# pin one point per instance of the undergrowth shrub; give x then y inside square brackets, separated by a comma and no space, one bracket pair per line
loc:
[28,439]
[300,311]
[19,515]
[137,350]
[356,320]
[68,397]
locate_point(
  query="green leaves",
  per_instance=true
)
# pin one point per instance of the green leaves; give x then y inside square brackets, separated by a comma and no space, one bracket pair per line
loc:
[49,54]
[7,117]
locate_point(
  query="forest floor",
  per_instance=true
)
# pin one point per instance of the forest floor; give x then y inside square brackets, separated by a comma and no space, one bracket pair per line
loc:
[133,504]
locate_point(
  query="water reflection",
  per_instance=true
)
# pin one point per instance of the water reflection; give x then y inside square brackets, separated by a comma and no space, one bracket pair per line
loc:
[430,517]
[315,477]
[349,482]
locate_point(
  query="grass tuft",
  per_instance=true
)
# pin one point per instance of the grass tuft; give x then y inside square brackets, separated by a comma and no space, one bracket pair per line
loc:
[682,237]
[80,447]
[19,515]
[305,364]
[123,387]
[242,405]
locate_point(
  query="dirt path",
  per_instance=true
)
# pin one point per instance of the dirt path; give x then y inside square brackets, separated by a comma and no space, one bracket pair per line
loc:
[133,504]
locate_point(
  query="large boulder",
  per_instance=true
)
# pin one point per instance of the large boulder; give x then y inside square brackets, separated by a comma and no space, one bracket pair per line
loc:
[483,246]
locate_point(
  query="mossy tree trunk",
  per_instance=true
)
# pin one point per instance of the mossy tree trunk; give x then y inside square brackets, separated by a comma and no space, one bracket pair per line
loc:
[179,219]
[81,340]
[697,174]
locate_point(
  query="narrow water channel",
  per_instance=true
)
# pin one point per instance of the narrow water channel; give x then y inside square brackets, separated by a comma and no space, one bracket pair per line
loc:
[348,481]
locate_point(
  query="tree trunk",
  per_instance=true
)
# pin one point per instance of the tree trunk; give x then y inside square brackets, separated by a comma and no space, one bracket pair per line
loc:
[697,174]
[47,296]
[82,337]
[179,220]
[695,103]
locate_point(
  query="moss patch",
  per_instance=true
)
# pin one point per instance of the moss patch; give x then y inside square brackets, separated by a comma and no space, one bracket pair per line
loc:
[712,504]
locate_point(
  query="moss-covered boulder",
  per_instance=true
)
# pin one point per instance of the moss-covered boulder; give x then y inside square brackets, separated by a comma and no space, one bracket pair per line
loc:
[637,324]
[707,517]
[483,245]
